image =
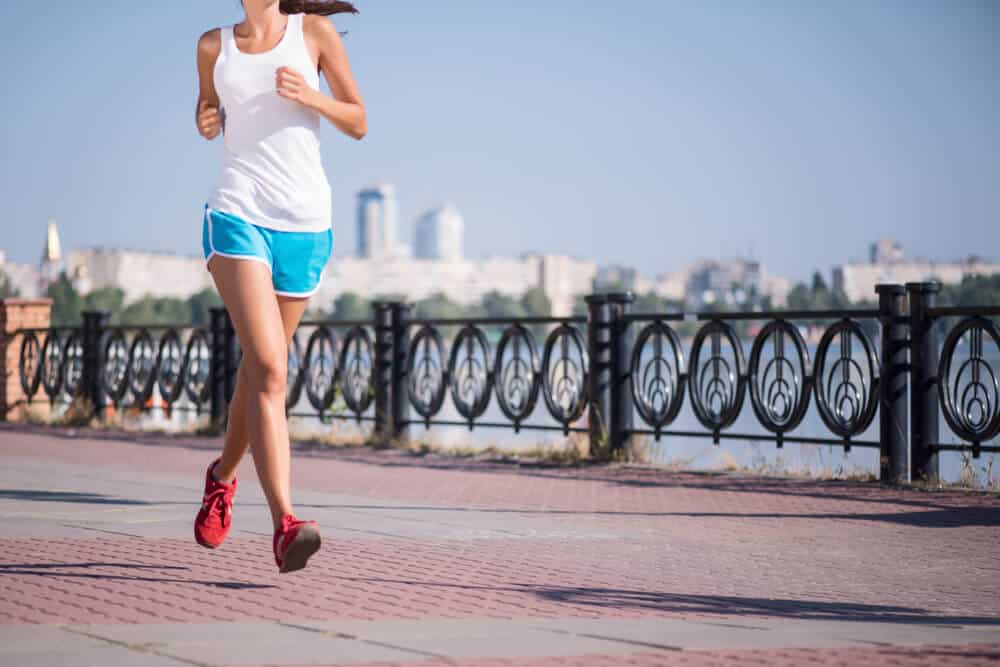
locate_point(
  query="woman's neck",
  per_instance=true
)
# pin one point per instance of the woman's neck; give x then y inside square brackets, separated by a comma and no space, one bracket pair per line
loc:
[263,17]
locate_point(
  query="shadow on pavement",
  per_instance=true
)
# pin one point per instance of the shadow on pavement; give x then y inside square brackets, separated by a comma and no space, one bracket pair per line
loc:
[653,477]
[732,605]
[724,605]
[43,566]
[956,517]
[59,570]
[67,497]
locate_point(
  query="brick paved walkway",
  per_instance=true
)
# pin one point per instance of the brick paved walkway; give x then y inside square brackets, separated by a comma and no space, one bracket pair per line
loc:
[430,561]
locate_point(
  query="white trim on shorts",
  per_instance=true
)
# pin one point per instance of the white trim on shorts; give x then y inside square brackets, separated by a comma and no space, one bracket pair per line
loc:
[213,252]
[302,295]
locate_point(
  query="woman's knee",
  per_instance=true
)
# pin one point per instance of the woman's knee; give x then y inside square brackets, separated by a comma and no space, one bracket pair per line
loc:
[269,372]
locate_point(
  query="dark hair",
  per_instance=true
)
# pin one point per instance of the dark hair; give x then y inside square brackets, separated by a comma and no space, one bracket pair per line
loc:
[321,7]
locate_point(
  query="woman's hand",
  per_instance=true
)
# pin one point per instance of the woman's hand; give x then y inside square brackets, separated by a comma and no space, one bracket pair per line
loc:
[209,121]
[292,86]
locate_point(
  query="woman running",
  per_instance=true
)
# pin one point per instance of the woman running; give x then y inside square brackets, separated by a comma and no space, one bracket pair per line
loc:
[266,233]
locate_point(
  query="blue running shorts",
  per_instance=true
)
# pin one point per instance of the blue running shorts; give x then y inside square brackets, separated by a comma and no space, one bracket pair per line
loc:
[296,259]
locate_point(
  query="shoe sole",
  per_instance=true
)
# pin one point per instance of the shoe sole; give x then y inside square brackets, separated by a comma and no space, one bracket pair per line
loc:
[305,544]
[207,545]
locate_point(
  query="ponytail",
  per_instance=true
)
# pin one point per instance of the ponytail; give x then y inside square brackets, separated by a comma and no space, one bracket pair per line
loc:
[321,7]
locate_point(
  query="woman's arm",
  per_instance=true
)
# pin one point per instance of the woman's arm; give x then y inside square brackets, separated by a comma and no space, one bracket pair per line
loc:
[206,114]
[345,109]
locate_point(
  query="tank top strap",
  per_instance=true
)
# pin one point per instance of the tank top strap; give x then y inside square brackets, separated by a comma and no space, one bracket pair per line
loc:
[296,43]
[296,33]
[227,35]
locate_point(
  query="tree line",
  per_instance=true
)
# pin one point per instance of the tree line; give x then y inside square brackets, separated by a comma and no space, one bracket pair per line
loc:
[68,304]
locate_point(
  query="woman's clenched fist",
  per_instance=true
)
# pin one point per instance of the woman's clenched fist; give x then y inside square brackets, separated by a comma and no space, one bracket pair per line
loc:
[209,121]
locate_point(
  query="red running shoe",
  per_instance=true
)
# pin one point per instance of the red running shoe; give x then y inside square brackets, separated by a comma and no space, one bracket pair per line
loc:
[294,543]
[212,523]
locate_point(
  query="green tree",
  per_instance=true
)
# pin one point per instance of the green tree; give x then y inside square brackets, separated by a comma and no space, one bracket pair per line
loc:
[438,306]
[350,306]
[610,287]
[972,291]
[66,302]
[7,288]
[817,296]
[499,305]
[535,303]
[201,303]
[109,299]
[157,310]
[390,296]
[651,302]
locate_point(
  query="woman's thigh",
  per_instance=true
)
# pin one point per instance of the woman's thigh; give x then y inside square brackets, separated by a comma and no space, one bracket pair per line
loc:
[246,290]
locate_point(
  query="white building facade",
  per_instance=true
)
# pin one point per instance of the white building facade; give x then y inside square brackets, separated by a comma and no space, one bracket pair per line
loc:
[137,273]
[887,264]
[439,234]
[463,281]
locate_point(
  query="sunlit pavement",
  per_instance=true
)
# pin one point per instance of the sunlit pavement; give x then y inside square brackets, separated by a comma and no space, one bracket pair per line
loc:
[429,560]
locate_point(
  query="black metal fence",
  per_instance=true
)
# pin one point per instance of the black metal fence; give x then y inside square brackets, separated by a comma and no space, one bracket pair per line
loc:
[612,374]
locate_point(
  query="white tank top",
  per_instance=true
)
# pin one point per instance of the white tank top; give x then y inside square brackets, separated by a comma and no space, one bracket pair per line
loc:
[272,175]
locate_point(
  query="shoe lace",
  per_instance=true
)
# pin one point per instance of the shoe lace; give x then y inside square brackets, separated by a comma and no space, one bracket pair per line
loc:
[218,501]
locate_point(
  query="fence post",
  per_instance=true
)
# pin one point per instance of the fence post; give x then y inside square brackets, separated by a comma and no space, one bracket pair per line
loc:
[94,323]
[399,391]
[19,314]
[222,365]
[599,404]
[382,368]
[893,401]
[622,339]
[924,353]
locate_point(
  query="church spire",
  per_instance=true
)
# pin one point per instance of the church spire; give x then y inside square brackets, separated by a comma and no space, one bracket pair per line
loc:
[53,250]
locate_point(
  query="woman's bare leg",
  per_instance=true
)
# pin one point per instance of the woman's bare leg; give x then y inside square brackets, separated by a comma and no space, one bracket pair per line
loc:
[246,290]
[237,438]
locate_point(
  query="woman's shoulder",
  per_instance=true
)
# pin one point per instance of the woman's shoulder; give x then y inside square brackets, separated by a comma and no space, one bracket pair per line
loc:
[318,26]
[210,43]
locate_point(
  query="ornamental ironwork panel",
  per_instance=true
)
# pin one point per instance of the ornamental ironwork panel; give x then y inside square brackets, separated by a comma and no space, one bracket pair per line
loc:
[968,385]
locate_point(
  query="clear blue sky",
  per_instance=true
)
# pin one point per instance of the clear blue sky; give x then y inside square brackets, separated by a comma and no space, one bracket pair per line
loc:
[648,133]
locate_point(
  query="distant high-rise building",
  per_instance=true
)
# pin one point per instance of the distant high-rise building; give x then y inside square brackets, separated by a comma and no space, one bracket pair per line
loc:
[378,215]
[439,234]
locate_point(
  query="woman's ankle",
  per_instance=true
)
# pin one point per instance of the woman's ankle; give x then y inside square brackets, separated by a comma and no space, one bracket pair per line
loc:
[277,519]
[221,474]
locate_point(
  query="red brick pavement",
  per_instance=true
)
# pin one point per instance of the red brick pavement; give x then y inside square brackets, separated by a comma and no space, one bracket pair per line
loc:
[131,580]
[899,656]
[698,546]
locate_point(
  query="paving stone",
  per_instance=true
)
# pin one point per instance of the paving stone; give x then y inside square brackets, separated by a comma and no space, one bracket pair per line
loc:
[19,639]
[483,563]
[91,657]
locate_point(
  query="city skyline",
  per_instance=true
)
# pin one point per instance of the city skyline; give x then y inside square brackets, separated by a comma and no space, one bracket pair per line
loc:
[436,265]
[787,133]
[412,232]
[874,252]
